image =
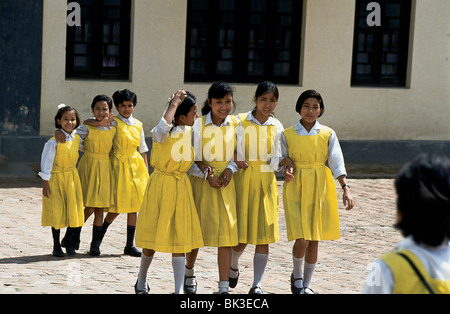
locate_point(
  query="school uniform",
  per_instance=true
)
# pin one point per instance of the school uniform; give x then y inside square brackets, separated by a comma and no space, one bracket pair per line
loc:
[393,274]
[310,200]
[64,207]
[257,196]
[168,220]
[215,146]
[94,168]
[130,172]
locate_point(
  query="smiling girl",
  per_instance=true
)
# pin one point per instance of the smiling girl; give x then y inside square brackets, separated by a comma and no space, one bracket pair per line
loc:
[62,201]
[95,168]
[258,154]
[215,196]
[309,192]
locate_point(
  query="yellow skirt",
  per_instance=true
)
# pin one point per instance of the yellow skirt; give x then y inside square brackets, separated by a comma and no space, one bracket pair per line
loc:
[97,180]
[310,204]
[64,207]
[217,212]
[257,205]
[130,177]
[168,221]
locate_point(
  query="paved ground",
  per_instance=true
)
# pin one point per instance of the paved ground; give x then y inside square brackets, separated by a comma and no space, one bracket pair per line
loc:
[27,266]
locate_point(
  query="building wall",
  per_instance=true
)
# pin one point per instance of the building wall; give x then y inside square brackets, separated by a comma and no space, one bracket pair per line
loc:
[420,111]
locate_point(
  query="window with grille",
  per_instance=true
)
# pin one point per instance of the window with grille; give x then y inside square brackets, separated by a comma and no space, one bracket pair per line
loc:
[100,47]
[243,41]
[380,53]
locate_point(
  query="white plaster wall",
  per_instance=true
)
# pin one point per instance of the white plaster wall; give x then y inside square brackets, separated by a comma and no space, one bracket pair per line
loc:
[419,111]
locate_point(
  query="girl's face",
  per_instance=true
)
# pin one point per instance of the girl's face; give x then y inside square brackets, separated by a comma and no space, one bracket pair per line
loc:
[221,107]
[265,104]
[126,108]
[189,119]
[310,110]
[100,110]
[68,121]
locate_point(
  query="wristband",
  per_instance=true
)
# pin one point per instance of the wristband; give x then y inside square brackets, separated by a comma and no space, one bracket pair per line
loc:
[345,185]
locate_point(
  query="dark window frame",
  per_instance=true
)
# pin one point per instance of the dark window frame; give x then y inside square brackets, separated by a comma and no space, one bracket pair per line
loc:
[99,44]
[237,50]
[386,60]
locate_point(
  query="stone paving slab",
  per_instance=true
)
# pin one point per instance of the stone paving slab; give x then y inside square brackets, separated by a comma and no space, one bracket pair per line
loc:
[27,266]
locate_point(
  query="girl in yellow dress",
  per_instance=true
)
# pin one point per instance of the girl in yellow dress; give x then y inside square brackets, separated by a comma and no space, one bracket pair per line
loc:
[309,192]
[62,202]
[215,195]
[258,154]
[130,167]
[95,169]
[168,221]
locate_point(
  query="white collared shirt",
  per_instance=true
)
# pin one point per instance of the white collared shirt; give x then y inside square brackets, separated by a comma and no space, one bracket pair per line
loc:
[335,155]
[143,148]
[197,138]
[276,157]
[48,155]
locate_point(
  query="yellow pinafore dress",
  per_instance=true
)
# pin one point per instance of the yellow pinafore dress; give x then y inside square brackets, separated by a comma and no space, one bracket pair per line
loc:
[130,172]
[310,199]
[94,168]
[64,207]
[217,207]
[168,221]
[256,187]
[406,281]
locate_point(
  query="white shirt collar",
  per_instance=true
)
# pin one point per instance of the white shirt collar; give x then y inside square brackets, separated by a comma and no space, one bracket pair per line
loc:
[128,121]
[251,117]
[299,126]
[69,137]
[208,120]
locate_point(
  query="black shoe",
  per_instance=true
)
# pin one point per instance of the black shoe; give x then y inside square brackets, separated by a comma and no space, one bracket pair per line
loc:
[145,291]
[294,289]
[234,281]
[192,288]
[132,251]
[58,252]
[256,290]
[96,240]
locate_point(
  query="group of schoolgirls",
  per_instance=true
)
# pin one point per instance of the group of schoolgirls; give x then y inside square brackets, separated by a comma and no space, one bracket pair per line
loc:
[213,182]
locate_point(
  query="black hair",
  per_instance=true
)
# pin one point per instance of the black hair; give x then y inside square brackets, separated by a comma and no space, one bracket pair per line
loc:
[60,113]
[267,87]
[423,199]
[102,98]
[310,94]
[184,108]
[217,90]
[124,95]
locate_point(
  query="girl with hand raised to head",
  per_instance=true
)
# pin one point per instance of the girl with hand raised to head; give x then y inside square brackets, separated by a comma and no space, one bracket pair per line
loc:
[168,221]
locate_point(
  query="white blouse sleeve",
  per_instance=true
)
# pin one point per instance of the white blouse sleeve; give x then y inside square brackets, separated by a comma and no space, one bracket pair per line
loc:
[336,157]
[47,159]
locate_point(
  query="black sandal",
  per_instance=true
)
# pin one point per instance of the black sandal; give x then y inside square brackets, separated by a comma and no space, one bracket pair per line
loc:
[190,289]
[234,281]
[294,289]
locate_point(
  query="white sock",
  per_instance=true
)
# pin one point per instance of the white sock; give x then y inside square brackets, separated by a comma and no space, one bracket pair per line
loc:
[142,276]
[178,265]
[307,274]
[223,286]
[235,256]
[297,271]
[259,266]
